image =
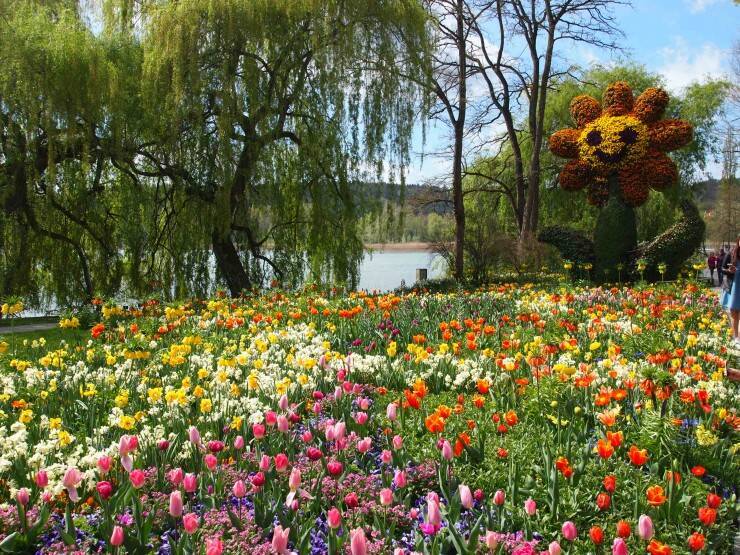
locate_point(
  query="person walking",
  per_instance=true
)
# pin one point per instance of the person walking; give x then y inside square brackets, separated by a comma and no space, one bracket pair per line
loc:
[712,265]
[731,288]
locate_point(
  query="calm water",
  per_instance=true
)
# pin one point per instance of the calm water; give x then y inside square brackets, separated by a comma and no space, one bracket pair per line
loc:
[386,270]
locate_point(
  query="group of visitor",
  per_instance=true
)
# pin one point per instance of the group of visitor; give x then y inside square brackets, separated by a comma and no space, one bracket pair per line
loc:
[725,263]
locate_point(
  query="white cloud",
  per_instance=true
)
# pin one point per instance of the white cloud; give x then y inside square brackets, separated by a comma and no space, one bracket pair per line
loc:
[683,64]
[696,6]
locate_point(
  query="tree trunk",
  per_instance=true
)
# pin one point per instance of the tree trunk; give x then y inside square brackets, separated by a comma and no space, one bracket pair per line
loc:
[230,265]
[457,192]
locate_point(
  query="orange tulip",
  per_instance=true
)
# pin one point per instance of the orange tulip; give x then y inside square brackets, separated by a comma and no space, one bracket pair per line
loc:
[656,496]
[604,449]
[637,456]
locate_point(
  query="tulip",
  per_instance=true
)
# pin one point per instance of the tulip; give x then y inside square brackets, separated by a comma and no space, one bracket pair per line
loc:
[214,546]
[215,446]
[41,479]
[104,464]
[713,500]
[357,541]
[240,489]
[265,463]
[596,534]
[530,507]
[340,429]
[554,548]
[137,478]
[619,547]
[307,436]
[363,446]
[569,530]
[351,500]
[280,540]
[72,478]
[399,479]
[105,490]
[386,456]
[239,443]
[446,450]
[386,496]
[491,540]
[294,481]
[23,497]
[282,424]
[623,529]
[466,497]
[696,541]
[334,518]
[258,431]
[270,418]
[190,482]
[163,445]
[645,527]
[433,515]
[499,497]
[175,476]
[194,436]
[281,462]
[258,480]
[361,418]
[391,411]
[116,537]
[190,522]
[283,402]
[176,504]
[397,442]
[603,501]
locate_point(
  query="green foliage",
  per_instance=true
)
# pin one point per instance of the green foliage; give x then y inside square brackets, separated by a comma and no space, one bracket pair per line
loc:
[573,245]
[676,245]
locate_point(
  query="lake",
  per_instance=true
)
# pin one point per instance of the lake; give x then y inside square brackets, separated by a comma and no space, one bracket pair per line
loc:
[386,270]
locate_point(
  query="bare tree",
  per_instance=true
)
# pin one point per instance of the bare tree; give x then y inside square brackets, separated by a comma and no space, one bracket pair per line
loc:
[518,84]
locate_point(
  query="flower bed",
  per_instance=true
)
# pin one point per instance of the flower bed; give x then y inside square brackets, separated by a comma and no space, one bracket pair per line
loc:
[512,420]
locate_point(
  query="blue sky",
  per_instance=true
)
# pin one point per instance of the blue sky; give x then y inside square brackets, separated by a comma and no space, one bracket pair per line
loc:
[683,40]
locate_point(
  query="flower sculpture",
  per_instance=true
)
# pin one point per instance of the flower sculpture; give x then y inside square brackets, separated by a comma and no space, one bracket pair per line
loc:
[625,139]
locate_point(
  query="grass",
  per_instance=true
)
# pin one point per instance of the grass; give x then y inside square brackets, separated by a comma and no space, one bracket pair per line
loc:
[26,320]
[20,342]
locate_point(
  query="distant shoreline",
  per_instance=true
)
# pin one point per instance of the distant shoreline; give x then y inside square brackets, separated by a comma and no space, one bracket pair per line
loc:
[412,246]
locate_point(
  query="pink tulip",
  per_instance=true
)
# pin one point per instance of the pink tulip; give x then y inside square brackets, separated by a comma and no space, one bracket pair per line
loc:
[258,431]
[530,507]
[137,478]
[361,418]
[72,479]
[280,540]
[397,442]
[239,489]
[363,446]
[307,436]
[340,429]
[329,432]
[214,546]
[47,497]
[105,489]
[499,497]
[433,515]
[347,387]
[294,481]
[176,504]
[334,518]
[104,464]
[270,418]
[190,522]
[283,402]
[569,530]
[399,551]
[163,445]
[190,482]
[116,538]
[316,408]
[554,548]
[338,393]
[619,547]
[215,446]
[211,461]
[175,476]
[334,467]
[41,479]
[466,497]
[357,541]
[491,540]
[265,463]
[281,462]
[239,443]
[386,456]
[447,450]
[400,479]
[364,403]
[194,436]
[645,527]
[282,424]
[386,496]
[127,444]
[23,497]
[391,411]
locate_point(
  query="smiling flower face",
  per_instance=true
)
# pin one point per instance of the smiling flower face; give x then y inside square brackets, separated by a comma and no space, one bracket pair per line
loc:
[626,139]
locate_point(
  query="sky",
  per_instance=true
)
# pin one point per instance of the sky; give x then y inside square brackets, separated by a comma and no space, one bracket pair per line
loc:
[683,40]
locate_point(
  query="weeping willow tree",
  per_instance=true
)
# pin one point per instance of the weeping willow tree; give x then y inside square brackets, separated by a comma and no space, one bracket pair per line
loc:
[58,86]
[263,114]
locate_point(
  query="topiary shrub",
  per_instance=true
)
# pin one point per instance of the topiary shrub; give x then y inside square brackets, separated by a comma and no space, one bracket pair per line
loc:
[573,245]
[615,236]
[675,245]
